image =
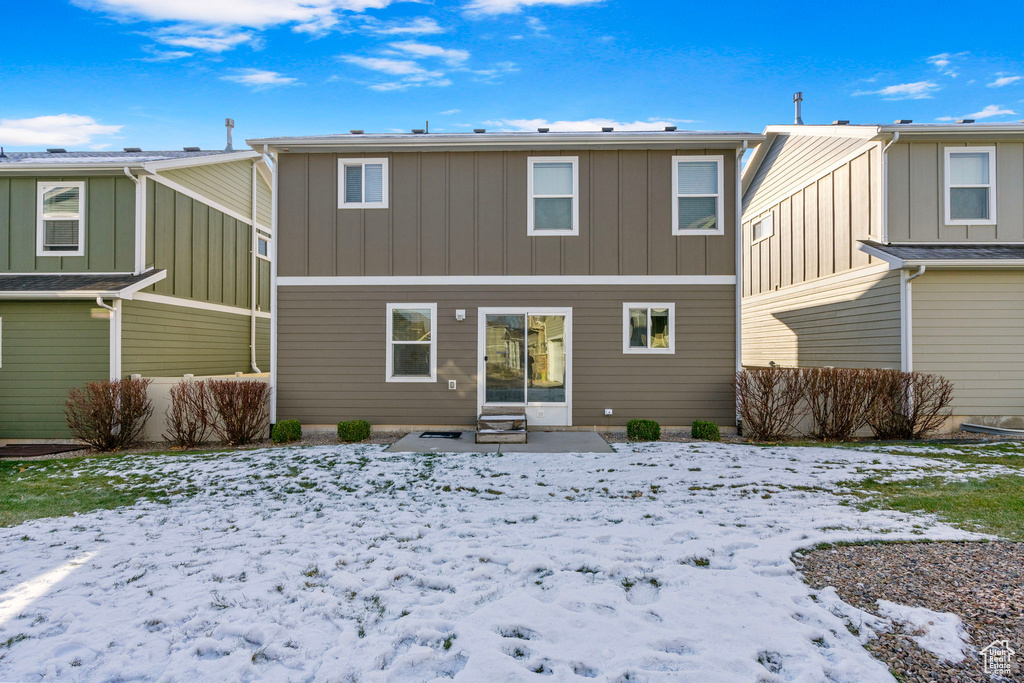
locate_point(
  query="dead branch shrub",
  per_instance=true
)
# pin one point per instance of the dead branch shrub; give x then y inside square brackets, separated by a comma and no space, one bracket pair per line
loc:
[190,416]
[241,409]
[768,401]
[838,401]
[908,405]
[111,414]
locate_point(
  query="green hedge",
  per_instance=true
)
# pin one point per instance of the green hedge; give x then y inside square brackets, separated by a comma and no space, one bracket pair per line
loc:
[285,431]
[354,430]
[706,430]
[643,430]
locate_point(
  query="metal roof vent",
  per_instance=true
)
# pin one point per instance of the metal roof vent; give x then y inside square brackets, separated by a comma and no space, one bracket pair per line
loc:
[190,149]
[543,130]
[56,150]
[479,130]
[903,121]
[2,155]
[356,131]
[133,149]
[965,120]
[607,129]
[418,131]
[670,128]
[841,122]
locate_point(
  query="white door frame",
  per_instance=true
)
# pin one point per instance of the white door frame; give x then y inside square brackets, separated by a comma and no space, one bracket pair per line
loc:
[481,348]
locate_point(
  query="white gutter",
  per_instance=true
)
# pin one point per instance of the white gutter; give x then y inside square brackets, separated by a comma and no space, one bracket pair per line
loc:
[253,264]
[273,287]
[906,319]
[885,187]
[738,263]
[115,336]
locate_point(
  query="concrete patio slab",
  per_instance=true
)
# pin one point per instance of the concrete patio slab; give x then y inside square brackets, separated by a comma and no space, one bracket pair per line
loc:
[538,442]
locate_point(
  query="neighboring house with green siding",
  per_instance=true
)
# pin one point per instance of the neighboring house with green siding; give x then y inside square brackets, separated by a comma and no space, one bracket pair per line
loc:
[122,263]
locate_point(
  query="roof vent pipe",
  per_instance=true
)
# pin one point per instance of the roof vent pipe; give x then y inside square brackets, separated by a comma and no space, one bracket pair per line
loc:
[670,128]
[607,129]
[543,130]
[2,155]
[798,98]
[230,125]
[356,131]
[479,130]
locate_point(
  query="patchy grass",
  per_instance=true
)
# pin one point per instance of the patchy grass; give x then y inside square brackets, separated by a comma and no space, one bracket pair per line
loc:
[992,504]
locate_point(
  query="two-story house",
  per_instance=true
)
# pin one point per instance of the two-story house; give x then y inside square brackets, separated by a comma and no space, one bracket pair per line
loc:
[893,246]
[121,263]
[581,278]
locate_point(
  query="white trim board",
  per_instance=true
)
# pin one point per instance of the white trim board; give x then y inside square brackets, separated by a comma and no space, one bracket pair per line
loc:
[226,158]
[192,194]
[482,280]
[200,305]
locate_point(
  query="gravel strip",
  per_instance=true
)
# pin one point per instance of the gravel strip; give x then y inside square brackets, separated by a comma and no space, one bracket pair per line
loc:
[982,583]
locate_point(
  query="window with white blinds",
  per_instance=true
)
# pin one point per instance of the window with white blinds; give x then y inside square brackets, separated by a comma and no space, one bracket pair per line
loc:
[363,183]
[553,196]
[412,343]
[697,185]
[970,185]
[61,228]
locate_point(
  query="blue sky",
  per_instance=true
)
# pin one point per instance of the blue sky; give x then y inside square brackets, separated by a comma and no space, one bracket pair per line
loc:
[158,74]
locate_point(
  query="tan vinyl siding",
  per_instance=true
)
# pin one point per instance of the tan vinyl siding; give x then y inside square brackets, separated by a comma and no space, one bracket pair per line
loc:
[109,226]
[228,184]
[968,327]
[159,340]
[47,347]
[264,204]
[818,227]
[850,320]
[464,213]
[917,195]
[331,354]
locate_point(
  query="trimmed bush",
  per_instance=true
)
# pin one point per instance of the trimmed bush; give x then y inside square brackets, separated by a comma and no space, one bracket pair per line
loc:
[109,415]
[190,416]
[643,430]
[705,430]
[285,431]
[768,401]
[354,430]
[242,409]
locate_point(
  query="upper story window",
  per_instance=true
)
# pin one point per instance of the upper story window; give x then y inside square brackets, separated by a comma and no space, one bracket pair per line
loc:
[970,185]
[362,183]
[763,229]
[263,247]
[698,184]
[648,328]
[553,191]
[61,228]
[412,343]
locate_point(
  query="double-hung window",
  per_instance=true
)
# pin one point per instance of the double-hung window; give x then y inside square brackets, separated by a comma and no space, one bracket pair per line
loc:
[970,185]
[553,193]
[263,247]
[697,185]
[763,229]
[61,225]
[412,343]
[362,183]
[648,328]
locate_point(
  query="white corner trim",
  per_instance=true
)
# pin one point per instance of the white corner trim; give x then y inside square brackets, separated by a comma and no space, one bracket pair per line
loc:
[531,162]
[168,164]
[192,194]
[362,163]
[200,305]
[41,218]
[389,375]
[719,195]
[518,280]
[626,348]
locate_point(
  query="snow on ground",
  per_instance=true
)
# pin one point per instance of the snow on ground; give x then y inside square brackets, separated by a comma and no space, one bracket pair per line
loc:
[941,633]
[666,561]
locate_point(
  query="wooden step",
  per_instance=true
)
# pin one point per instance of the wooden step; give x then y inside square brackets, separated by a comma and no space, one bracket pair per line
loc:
[501,424]
[500,436]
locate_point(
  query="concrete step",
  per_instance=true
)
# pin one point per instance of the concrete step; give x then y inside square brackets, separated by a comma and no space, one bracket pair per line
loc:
[501,436]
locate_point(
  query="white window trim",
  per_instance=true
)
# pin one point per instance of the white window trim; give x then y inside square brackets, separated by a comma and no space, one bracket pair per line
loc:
[385,184]
[270,247]
[720,195]
[530,163]
[390,361]
[41,218]
[1,342]
[770,219]
[991,220]
[626,348]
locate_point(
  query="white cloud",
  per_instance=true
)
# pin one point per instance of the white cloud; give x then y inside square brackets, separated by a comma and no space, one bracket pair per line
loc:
[452,56]
[584,125]
[258,79]
[919,90]
[66,130]
[512,6]
[537,26]
[212,40]
[986,113]
[450,112]
[944,62]
[1004,80]
[421,26]
[166,55]
[411,83]
[395,67]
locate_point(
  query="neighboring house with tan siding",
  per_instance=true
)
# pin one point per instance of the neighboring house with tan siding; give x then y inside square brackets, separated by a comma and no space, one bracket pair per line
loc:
[894,246]
[121,263]
[582,279]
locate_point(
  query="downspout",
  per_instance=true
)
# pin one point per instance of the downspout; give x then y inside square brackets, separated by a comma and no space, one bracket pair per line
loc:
[254,263]
[275,172]
[140,254]
[906,319]
[738,264]
[885,187]
[115,336]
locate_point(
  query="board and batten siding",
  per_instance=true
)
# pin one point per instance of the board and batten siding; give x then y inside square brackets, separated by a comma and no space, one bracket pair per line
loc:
[47,347]
[161,340]
[332,350]
[229,184]
[264,204]
[818,226]
[916,204]
[968,326]
[109,226]
[848,321]
[464,213]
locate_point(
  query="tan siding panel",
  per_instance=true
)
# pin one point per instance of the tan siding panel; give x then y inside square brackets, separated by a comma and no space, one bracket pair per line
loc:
[228,184]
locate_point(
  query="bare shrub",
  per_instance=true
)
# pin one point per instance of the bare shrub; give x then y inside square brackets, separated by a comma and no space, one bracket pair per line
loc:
[908,405]
[109,415]
[768,401]
[838,401]
[241,408]
[190,416]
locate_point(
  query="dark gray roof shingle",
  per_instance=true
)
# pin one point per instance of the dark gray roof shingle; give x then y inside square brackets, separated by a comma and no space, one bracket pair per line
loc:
[70,283]
[951,252]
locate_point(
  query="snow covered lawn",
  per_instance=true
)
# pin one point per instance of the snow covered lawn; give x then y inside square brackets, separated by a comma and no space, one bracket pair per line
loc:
[343,563]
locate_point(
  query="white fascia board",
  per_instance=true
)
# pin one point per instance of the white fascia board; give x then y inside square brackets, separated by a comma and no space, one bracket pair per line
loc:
[895,263]
[961,264]
[528,141]
[518,280]
[207,160]
[848,131]
[755,160]
[83,169]
[128,291]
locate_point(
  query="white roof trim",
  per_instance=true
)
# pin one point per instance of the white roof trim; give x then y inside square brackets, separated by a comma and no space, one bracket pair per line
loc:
[225,158]
[897,263]
[528,140]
